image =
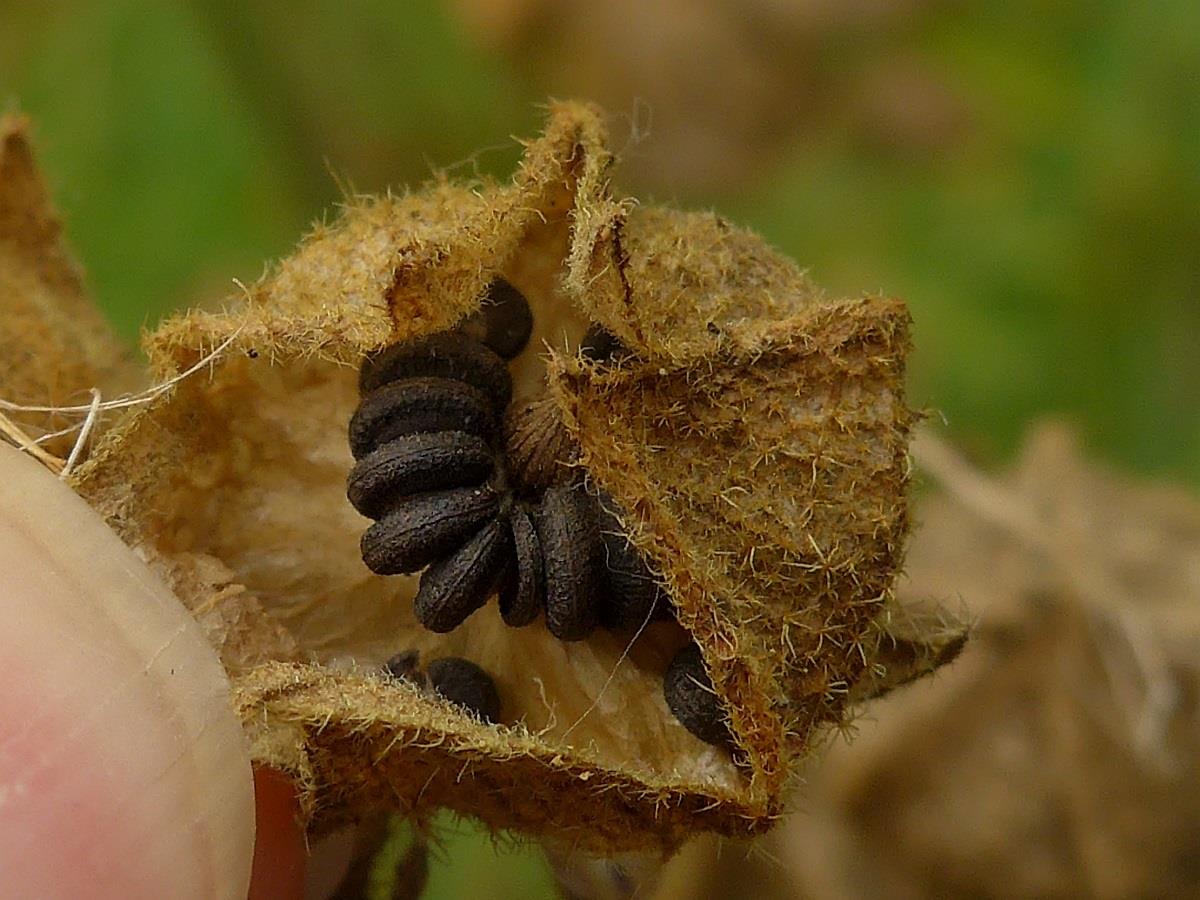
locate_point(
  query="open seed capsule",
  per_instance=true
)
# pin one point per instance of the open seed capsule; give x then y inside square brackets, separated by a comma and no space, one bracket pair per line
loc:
[454,587]
[461,681]
[448,355]
[572,551]
[415,464]
[690,695]
[425,528]
[419,405]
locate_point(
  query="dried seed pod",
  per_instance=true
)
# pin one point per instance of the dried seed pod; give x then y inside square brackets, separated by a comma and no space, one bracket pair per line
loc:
[601,345]
[462,682]
[424,528]
[445,355]
[416,405]
[689,693]
[634,594]
[572,551]
[813,384]
[523,590]
[453,588]
[416,464]
[504,322]
[538,449]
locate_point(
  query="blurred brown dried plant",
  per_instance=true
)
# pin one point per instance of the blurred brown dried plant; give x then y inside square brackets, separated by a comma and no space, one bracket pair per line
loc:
[1060,756]
[723,87]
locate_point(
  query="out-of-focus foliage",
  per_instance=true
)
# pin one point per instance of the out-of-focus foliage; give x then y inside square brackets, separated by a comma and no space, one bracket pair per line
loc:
[1050,253]
[466,861]
[1026,175]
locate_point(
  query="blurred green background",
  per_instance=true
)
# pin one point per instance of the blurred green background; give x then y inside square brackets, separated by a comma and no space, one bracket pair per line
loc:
[1026,175]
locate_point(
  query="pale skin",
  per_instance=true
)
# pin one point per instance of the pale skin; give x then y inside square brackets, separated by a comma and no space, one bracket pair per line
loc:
[124,772]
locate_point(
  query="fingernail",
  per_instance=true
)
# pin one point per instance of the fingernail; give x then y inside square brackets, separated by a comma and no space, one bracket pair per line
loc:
[123,769]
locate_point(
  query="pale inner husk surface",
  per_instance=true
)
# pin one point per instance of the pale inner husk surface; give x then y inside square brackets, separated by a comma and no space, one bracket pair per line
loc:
[289,454]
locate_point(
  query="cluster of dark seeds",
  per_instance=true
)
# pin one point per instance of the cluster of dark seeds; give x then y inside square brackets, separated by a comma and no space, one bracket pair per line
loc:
[456,679]
[432,447]
[430,469]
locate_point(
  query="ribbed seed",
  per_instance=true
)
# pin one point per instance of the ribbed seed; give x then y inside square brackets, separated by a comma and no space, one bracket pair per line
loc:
[689,694]
[537,447]
[504,322]
[425,528]
[446,355]
[454,587]
[416,405]
[461,681]
[572,551]
[522,591]
[634,595]
[416,464]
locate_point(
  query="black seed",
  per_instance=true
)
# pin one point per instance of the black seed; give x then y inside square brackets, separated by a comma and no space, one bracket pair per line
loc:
[634,595]
[601,345]
[689,694]
[415,405]
[573,554]
[522,591]
[449,355]
[426,527]
[461,681]
[404,666]
[504,322]
[453,588]
[415,464]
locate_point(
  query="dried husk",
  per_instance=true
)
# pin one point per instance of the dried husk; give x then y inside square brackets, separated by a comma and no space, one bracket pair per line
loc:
[756,440]
[1060,756]
[54,344]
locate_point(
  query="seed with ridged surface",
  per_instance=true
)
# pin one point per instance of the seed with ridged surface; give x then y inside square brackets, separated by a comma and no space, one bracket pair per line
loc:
[634,595]
[537,447]
[425,528]
[572,551]
[504,322]
[447,355]
[461,681]
[454,587]
[689,694]
[415,464]
[522,591]
[416,405]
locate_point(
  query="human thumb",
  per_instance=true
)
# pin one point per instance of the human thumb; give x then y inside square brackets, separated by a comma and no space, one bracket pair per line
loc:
[123,769]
